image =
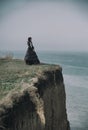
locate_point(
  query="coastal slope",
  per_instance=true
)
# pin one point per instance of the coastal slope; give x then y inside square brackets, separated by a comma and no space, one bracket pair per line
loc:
[36,98]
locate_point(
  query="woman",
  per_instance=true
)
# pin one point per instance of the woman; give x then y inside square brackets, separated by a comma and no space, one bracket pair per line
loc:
[31,56]
[29,42]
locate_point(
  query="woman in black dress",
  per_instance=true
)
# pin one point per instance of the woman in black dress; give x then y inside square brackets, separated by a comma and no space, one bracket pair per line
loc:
[31,57]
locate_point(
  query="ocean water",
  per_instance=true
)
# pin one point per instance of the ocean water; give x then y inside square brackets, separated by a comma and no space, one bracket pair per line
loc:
[75,72]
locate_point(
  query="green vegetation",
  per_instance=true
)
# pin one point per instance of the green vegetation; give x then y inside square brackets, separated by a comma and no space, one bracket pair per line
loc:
[14,72]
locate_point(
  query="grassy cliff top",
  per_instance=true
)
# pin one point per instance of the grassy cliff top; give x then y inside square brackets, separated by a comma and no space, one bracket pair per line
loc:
[14,72]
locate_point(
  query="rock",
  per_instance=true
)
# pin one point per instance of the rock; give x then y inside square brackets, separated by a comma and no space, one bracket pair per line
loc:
[39,106]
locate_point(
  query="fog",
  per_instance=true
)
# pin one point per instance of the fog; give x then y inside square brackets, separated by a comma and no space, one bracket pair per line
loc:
[60,26]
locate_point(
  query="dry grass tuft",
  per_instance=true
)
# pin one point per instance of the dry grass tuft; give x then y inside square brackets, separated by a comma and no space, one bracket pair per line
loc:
[8,56]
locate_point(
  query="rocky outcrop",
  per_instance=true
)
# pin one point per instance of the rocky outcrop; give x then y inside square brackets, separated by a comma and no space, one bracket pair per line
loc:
[40,105]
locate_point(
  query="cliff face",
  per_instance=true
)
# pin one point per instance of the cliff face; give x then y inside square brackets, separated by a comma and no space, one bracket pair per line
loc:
[40,105]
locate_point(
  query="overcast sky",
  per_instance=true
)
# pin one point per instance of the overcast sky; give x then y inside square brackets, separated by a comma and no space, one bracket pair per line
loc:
[53,25]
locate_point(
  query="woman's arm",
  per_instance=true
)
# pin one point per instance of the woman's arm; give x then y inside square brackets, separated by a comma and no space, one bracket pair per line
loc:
[31,45]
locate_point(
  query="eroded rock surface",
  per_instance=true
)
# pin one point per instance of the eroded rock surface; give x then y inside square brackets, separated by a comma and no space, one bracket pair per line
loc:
[40,105]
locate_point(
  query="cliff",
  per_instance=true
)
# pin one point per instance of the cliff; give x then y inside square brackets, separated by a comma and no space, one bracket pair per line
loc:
[36,104]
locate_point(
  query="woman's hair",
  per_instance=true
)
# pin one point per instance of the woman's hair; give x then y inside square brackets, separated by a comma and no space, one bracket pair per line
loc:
[29,38]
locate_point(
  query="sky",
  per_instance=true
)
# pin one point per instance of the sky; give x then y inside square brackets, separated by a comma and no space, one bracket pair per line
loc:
[58,25]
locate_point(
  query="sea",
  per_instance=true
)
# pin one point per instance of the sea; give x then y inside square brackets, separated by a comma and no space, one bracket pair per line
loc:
[75,72]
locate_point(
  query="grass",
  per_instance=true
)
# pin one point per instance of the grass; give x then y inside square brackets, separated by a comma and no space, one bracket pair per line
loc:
[14,72]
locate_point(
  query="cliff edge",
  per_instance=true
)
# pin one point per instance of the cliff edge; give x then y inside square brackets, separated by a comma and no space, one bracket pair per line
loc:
[38,102]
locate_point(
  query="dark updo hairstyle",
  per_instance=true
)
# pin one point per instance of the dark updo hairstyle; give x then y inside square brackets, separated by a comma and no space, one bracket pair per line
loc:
[29,38]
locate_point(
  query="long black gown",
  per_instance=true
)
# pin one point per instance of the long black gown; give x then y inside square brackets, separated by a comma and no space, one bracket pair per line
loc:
[31,56]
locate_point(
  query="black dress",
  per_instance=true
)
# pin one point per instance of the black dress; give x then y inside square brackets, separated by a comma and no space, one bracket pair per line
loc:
[31,56]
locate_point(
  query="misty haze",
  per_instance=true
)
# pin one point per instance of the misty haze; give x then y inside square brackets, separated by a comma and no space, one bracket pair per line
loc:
[59,32]
[53,25]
